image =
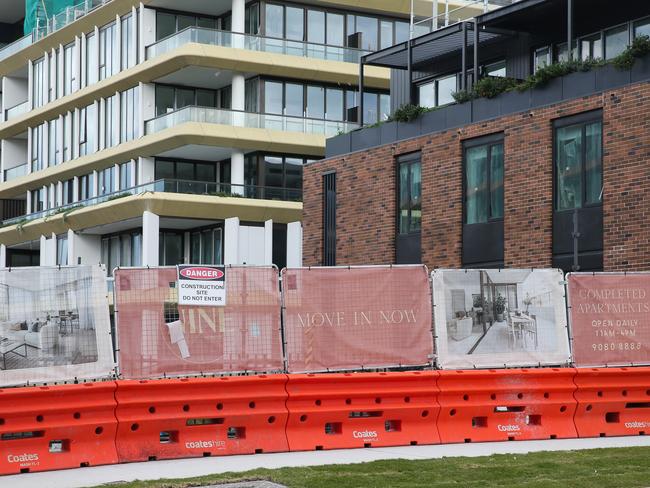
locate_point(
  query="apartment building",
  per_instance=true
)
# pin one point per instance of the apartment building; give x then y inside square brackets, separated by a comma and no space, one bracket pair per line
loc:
[159,132]
[552,173]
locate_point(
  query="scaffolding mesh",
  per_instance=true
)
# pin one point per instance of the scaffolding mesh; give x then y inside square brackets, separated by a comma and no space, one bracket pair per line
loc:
[54,325]
[157,337]
[357,318]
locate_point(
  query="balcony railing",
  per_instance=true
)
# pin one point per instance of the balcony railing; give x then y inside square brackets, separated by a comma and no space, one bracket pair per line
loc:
[15,172]
[14,47]
[16,110]
[251,42]
[171,186]
[210,115]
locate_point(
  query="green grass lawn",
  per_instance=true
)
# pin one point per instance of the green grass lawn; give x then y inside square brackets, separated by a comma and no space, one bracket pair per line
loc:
[597,468]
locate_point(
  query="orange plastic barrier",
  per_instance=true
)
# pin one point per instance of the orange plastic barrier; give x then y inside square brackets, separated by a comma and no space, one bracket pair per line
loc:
[56,427]
[334,411]
[501,405]
[613,402]
[166,419]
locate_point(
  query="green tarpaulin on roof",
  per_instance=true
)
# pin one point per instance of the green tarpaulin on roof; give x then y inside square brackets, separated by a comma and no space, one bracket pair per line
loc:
[44,10]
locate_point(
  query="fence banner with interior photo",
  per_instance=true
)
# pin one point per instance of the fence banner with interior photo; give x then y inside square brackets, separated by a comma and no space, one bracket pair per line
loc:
[54,325]
[609,315]
[357,317]
[494,318]
[158,337]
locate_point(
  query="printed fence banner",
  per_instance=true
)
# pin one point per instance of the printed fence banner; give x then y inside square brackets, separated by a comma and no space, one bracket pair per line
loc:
[610,318]
[357,317]
[54,325]
[159,337]
[494,318]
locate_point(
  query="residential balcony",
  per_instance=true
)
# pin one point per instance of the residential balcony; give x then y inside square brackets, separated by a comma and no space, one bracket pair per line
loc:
[16,46]
[251,42]
[171,186]
[15,172]
[287,123]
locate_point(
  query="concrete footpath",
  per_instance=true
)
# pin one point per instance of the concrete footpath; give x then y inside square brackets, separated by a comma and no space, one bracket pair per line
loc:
[187,468]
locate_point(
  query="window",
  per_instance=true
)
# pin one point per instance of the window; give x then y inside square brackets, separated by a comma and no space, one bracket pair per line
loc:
[53,76]
[106,180]
[410,194]
[122,250]
[252,18]
[252,93]
[165,25]
[39,200]
[68,131]
[86,186]
[315,102]
[369,29]
[316,26]
[205,246]
[170,98]
[274,20]
[642,28]
[127,175]
[483,182]
[329,219]
[87,130]
[496,69]
[335,29]
[616,41]
[69,68]
[334,109]
[110,134]
[108,64]
[294,25]
[591,47]
[578,164]
[62,250]
[170,248]
[92,61]
[129,114]
[386,31]
[203,171]
[38,144]
[128,41]
[542,58]
[67,191]
[562,55]
[38,93]
[438,92]
[54,154]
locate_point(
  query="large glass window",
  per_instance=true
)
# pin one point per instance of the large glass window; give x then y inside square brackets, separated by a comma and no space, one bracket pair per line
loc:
[335,29]
[122,250]
[294,26]
[335,104]
[578,165]
[170,248]
[410,194]
[273,97]
[106,181]
[39,199]
[186,170]
[38,147]
[54,155]
[170,98]
[438,92]
[128,41]
[274,20]
[86,186]
[483,183]
[38,87]
[127,175]
[642,28]
[87,130]
[92,61]
[205,246]
[316,102]
[110,134]
[542,57]
[68,134]
[316,26]
[67,191]
[591,47]
[62,250]
[69,68]
[130,114]
[369,29]
[108,63]
[616,41]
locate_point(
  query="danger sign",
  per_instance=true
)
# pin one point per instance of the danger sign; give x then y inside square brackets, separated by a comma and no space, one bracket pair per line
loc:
[202,285]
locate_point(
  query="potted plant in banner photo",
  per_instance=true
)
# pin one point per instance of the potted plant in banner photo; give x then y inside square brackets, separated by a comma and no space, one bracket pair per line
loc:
[528,301]
[499,307]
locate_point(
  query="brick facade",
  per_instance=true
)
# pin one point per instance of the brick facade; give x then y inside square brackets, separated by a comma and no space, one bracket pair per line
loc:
[366,189]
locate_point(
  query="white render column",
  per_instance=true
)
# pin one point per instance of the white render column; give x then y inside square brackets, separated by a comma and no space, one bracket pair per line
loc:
[3,256]
[237,172]
[72,241]
[231,241]
[150,237]
[268,242]
[238,15]
[294,245]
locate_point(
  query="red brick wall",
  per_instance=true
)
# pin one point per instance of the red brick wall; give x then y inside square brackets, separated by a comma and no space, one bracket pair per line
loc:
[366,187]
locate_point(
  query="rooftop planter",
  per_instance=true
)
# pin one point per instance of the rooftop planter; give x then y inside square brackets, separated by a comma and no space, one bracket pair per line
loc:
[498,97]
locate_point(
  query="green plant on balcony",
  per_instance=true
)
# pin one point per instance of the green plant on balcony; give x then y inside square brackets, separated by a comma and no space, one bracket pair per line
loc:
[640,47]
[118,196]
[408,113]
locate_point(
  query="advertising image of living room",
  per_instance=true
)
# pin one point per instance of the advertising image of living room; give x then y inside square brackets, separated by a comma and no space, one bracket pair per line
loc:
[48,318]
[492,316]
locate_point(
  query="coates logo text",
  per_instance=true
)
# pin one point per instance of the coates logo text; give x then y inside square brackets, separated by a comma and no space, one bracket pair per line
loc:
[205,444]
[509,428]
[22,458]
[198,273]
[637,425]
[364,434]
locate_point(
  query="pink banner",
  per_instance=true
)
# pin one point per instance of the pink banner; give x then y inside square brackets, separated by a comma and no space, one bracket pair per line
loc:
[610,318]
[354,318]
[158,337]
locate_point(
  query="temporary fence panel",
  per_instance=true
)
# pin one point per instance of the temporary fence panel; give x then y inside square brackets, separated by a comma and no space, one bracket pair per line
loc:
[356,317]
[501,405]
[500,318]
[54,325]
[348,410]
[56,427]
[158,337]
[193,417]
[609,315]
[613,401]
